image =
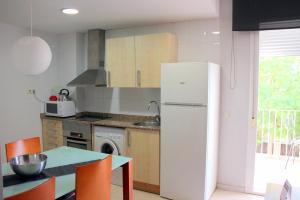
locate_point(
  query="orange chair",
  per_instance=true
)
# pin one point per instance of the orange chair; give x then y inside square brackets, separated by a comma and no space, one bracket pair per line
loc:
[93,181]
[45,191]
[22,147]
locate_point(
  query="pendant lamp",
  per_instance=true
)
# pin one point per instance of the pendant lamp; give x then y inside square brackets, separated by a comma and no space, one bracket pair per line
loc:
[31,54]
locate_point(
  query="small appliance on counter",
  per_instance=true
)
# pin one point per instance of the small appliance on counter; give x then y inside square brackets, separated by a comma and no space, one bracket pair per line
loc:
[62,106]
[64,95]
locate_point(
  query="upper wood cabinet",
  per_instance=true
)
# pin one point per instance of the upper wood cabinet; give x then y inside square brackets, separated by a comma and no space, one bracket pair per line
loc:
[121,62]
[151,51]
[135,61]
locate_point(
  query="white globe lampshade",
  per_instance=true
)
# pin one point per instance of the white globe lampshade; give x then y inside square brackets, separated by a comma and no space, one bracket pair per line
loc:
[31,55]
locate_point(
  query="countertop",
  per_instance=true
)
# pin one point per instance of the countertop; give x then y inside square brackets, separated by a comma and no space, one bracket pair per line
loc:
[114,120]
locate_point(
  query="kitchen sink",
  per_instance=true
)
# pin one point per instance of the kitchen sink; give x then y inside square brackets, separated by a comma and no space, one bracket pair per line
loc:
[147,124]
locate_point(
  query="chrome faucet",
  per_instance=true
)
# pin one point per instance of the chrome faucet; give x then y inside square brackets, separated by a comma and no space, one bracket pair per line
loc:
[157,117]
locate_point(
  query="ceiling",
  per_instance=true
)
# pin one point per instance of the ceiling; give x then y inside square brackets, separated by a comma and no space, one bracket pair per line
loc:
[106,14]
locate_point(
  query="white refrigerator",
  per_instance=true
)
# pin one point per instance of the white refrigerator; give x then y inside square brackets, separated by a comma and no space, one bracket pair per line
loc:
[190,95]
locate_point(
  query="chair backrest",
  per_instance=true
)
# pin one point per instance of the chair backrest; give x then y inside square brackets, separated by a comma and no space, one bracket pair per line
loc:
[22,147]
[93,181]
[45,191]
[286,192]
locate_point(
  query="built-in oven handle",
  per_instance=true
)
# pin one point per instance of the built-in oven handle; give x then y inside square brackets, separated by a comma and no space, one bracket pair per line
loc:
[77,135]
[76,141]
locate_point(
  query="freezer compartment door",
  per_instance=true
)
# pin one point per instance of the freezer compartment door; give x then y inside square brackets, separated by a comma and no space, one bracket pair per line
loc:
[183,144]
[184,82]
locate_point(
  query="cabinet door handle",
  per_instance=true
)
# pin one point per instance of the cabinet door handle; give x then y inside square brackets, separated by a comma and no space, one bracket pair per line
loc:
[128,139]
[108,79]
[139,78]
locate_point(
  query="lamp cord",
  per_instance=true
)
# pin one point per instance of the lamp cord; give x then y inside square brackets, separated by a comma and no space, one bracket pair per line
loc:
[36,97]
[232,63]
[31,18]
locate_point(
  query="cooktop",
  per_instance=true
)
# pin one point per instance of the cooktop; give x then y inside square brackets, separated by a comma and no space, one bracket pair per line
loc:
[91,118]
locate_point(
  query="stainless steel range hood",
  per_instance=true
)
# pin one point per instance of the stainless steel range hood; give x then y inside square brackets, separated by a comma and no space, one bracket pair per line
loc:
[95,75]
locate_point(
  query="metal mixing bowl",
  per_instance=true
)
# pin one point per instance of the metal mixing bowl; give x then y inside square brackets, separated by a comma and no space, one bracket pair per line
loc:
[28,165]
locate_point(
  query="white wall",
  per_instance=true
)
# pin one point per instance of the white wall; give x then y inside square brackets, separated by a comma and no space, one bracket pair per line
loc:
[235,104]
[19,111]
[68,59]
[194,45]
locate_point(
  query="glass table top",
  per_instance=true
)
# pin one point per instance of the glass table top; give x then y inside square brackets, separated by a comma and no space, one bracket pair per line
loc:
[59,157]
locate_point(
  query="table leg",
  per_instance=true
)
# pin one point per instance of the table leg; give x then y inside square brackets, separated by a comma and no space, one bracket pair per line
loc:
[127,181]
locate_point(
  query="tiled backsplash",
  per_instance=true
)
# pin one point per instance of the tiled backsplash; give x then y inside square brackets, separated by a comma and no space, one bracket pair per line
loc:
[117,100]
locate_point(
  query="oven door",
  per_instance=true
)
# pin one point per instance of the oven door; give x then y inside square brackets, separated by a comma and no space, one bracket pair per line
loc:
[78,143]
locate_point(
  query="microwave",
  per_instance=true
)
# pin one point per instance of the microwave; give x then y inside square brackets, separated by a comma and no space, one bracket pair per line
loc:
[60,108]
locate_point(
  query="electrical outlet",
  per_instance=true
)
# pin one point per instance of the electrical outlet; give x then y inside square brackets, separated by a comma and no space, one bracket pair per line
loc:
[31,91]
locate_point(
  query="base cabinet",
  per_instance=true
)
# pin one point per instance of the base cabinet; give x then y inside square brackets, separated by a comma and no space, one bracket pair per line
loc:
[52,134]
[144,148]
[142,145]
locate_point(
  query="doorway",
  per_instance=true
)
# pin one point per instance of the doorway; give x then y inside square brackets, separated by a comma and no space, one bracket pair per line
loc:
[278,116]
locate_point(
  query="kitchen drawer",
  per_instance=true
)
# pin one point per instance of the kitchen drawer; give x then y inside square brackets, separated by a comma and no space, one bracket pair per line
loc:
[51,131]
[52,123]
[52,134]
[55,139]
[50,146]
[54,126]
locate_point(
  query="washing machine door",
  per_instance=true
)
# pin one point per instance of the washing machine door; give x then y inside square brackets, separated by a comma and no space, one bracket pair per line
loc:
[109,147]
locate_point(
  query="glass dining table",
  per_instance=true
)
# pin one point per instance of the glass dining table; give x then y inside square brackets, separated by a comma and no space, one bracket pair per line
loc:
[65,184]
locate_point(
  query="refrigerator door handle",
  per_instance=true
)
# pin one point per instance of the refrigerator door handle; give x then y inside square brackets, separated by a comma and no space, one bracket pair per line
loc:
[184,104]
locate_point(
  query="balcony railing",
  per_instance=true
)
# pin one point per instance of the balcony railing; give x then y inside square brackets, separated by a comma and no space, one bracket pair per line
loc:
[276,131]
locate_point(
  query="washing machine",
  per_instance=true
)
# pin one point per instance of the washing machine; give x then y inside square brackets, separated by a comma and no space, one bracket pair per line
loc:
[111,141]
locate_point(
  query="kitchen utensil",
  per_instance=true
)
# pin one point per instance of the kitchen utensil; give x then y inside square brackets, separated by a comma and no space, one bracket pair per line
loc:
[28,165]
[64,95]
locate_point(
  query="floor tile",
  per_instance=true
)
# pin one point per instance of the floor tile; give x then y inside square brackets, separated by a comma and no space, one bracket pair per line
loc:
[218,195]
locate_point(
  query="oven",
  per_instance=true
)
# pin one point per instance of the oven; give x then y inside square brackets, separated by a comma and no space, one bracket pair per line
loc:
[77,135]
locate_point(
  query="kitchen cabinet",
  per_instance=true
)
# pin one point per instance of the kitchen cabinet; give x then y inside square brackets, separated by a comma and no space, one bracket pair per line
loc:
[120,62]
[135,61]
[52,134]
[144,148]
[151,51]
